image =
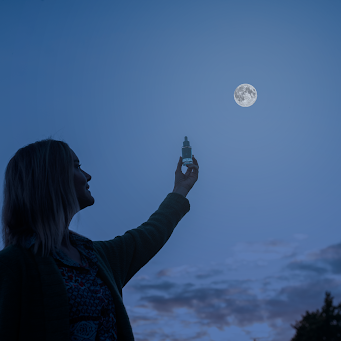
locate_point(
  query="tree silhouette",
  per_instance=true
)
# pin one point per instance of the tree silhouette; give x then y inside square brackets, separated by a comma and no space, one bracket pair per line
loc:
[320,326]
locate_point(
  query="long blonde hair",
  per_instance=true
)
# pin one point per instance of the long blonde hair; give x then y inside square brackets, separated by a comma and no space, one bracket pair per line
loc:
[39,196]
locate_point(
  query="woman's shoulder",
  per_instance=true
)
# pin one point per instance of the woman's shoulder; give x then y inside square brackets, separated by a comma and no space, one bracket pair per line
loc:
[11,257]
[10,250]
[16,268]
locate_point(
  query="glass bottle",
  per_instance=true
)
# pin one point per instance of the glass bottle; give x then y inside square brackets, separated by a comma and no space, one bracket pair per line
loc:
[186,153]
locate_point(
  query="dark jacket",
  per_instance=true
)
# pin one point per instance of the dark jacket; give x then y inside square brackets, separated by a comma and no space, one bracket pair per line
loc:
[35,299]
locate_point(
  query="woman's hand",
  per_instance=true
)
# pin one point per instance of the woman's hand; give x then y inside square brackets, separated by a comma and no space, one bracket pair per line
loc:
[184,182]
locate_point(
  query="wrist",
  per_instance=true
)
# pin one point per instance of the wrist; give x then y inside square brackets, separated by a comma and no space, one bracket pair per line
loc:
[180,190]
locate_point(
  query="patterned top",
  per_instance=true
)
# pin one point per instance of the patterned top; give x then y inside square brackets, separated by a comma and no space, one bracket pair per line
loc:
[91,306]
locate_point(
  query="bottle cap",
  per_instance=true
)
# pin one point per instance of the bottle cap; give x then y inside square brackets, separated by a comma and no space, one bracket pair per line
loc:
[186,142]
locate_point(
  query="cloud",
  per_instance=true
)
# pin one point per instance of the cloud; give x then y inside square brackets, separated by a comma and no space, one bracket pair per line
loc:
[157,334]
[188,270]
[183,270]
[330,256]
[236,304]
[306,266]
[270,249]
[214,307]
[300,236]
[164,286]
[261,253]
[321,262]
[199,298]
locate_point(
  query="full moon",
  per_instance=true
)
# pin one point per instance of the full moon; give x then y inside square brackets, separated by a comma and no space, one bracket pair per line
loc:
[245,95]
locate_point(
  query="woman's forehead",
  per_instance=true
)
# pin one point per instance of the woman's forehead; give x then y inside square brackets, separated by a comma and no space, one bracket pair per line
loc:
[75,158]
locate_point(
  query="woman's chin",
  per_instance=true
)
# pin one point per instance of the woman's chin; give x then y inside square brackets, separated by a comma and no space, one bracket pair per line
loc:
[87,200]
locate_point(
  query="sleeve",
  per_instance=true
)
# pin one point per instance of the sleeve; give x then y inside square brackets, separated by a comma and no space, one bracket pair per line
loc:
[128,253]
[10,293]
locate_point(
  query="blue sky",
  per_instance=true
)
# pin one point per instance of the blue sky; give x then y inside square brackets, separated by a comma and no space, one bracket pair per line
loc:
[123,82]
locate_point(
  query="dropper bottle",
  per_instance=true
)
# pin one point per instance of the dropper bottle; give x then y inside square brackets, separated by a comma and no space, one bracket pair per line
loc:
[186,153]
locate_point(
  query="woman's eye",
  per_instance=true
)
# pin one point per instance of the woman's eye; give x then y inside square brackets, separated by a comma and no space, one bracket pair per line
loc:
[78,166]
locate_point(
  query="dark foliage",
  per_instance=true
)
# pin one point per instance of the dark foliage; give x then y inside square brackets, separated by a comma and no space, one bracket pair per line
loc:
[324,325]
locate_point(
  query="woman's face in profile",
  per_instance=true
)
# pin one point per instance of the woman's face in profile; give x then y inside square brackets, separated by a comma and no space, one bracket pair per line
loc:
[81,179]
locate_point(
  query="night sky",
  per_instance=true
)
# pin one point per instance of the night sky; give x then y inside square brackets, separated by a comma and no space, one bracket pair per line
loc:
[123,82]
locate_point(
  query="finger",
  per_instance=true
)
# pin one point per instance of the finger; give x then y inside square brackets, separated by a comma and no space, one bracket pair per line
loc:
[179,164]
[195,162]
[189,170]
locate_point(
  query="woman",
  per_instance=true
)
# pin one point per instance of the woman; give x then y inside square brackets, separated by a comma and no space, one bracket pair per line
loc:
[54,283]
